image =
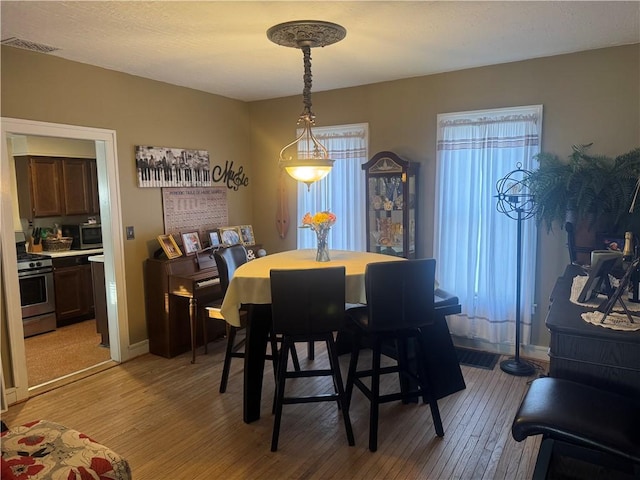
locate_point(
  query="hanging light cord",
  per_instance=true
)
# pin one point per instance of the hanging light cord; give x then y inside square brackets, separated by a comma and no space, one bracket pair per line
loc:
[306,92]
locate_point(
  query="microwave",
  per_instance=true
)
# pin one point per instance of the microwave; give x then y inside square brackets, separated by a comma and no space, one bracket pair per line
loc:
[85,235]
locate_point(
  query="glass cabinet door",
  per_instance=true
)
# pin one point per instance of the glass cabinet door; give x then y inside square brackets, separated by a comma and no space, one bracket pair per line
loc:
[391,205]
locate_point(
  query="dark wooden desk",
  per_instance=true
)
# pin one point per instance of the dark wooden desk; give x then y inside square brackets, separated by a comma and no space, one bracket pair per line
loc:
[586,353]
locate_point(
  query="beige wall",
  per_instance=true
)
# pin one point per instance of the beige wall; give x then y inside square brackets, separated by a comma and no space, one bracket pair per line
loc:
[588,97]
[142,112]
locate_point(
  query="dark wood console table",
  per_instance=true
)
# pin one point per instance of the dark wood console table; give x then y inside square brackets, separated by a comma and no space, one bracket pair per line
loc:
[586,353]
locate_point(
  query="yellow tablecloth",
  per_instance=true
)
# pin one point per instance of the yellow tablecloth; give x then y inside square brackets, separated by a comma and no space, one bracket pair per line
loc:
[251,282]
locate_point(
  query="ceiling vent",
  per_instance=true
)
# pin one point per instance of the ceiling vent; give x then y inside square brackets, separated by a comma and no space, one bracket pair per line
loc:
[27,45]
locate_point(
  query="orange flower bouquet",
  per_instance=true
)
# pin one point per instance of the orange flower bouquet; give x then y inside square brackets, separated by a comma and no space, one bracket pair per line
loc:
[321,223]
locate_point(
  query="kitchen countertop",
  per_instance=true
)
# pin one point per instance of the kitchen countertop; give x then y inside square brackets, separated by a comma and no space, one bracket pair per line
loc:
[73,253]
[96,258]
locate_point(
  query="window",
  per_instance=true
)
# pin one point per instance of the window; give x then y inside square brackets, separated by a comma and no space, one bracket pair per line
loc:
[342,191]
[474,244]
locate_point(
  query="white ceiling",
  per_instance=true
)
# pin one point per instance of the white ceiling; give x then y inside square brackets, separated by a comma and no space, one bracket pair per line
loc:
[222,47]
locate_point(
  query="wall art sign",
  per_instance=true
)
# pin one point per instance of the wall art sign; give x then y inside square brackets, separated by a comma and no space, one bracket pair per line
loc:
[172,167]
[194,209]
[232,179]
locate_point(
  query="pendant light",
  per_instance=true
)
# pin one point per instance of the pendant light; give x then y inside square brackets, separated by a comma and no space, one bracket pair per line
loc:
[306,159]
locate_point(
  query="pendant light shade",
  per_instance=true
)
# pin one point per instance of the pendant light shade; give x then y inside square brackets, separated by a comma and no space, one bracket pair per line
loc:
[306,159]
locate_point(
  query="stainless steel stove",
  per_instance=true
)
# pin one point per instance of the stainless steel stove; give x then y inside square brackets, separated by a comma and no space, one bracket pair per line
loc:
[30,261]
[37,298]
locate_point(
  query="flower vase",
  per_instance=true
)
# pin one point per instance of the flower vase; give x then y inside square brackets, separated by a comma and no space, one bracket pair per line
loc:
[322,255]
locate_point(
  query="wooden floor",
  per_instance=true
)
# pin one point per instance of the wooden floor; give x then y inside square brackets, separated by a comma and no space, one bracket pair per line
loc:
[168,419]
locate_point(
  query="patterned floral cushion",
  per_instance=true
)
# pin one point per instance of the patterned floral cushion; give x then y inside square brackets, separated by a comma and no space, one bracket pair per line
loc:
[47,450]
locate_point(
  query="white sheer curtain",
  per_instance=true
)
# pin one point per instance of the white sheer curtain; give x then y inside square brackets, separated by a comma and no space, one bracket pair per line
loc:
[474,244]
[342,191]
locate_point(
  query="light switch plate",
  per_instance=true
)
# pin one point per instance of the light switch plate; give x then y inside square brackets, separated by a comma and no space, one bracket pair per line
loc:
[130,234]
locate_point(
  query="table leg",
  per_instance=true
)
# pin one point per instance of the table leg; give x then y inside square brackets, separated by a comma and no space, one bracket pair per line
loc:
[258,327]
[193,314]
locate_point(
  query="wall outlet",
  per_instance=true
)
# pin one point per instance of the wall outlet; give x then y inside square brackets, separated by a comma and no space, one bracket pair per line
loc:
[130,234]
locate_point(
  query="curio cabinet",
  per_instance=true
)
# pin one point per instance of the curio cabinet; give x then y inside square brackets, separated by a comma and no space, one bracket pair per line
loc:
[392,200]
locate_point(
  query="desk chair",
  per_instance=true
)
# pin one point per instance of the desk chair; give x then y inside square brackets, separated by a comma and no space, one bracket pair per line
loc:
[308,305]
[228,259]
[400,300]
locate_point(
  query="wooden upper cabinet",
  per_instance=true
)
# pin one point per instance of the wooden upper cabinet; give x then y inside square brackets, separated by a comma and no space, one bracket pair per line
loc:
[76,189]
[94,197]
[54,187]
[39,193]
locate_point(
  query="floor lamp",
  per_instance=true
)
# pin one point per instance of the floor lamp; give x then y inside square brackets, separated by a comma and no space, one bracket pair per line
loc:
[515,202]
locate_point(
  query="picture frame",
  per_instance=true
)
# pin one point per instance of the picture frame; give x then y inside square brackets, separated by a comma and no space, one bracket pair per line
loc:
[230,236]
[246,235]
[191,242]
[214,238]
[609,241]
[169,246]
[598,280]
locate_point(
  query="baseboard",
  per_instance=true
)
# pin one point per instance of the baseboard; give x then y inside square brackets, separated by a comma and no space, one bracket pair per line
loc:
[138,349]
[535,352]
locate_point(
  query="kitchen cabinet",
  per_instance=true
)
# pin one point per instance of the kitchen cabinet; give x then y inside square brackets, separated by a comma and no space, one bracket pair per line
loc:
[73,288]
[391,203]
[75,186]
[94,197]
[100,298]
[53,186]
[39,193]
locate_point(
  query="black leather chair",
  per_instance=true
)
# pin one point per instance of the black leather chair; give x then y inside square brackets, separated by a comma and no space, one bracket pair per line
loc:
[308,305]
[591,427]
[228,259]
[400,301]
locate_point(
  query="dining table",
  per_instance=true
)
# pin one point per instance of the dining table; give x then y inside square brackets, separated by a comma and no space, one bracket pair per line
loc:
[250,289]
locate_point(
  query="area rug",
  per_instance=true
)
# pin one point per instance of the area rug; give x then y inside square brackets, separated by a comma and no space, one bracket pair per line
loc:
[477,358]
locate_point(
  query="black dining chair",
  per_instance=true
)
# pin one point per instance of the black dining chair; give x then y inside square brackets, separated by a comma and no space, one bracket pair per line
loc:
[400,301]
[228,259]
[308,305]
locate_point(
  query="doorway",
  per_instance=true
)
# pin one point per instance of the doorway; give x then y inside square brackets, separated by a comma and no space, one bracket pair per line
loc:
[15,370]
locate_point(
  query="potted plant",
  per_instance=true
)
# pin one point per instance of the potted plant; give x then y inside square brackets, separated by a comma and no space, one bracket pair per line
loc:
[591,193]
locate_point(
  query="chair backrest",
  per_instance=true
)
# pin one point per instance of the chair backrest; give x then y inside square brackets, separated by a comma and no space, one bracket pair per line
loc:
[400,294]
[308,301]
[228,259]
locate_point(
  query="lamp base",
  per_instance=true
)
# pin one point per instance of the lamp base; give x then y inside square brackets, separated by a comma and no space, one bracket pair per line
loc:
[517,367]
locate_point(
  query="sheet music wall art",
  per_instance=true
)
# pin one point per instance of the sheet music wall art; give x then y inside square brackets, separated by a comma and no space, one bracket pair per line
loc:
[172,167]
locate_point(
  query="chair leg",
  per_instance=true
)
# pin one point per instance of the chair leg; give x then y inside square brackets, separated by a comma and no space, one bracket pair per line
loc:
[294,358]
[311,352]
[337,381]
[231,337]
[280,384]
[375,395]
[205,337]
[403,366]
[353,367]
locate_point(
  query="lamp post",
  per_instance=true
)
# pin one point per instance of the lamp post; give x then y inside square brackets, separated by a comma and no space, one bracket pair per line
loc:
[515,201]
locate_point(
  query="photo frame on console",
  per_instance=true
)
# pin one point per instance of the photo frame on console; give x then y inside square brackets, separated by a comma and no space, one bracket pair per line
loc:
[609,241]
[246,234]
[169,246]
[214,238]
[607,306]
[191,242]
[230,236]
[598,281]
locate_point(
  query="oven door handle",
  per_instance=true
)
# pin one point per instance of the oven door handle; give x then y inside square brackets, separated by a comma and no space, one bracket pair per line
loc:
[37,271]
